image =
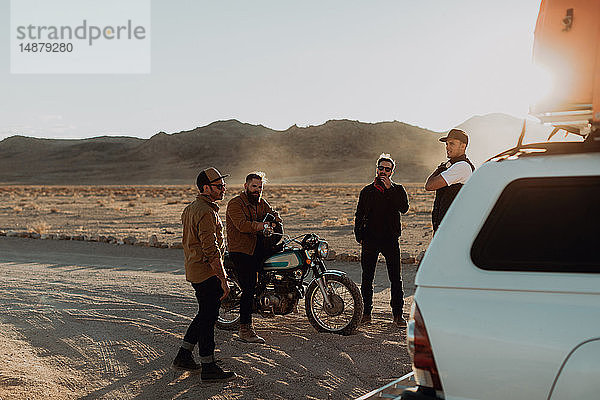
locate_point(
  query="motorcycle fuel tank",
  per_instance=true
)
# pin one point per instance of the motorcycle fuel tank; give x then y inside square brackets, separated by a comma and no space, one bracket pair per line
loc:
[288,259]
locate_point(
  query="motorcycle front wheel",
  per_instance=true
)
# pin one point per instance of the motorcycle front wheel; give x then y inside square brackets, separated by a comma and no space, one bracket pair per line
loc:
[344,313]
[229,312]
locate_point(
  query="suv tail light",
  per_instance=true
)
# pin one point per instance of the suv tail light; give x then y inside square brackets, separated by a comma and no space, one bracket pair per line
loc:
[419,347]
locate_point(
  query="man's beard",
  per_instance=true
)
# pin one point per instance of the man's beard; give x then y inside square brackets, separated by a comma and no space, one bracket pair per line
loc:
[253,197]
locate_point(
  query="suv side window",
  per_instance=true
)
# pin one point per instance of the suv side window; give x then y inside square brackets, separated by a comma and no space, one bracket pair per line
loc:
[543,224]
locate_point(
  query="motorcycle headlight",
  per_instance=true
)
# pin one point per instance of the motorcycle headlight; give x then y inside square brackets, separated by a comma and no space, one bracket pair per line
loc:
[323,249]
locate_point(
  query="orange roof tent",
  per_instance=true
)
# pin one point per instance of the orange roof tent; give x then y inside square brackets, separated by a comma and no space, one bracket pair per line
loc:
[567,46]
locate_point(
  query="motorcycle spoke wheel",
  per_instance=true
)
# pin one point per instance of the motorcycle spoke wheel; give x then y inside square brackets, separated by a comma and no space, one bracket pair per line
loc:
[345,311]
[336,316]
[229,312]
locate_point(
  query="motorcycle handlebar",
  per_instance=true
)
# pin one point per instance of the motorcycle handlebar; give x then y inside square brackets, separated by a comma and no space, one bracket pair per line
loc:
[286,238]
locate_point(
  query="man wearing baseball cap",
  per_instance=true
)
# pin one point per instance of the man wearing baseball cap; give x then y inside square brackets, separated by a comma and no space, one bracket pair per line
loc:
[204,247]
[450,176]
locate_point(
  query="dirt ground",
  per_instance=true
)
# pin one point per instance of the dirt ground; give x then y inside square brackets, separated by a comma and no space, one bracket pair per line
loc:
[93,320]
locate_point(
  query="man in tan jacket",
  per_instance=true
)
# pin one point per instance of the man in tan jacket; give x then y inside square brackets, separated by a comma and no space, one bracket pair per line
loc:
[245,226]
[203,247]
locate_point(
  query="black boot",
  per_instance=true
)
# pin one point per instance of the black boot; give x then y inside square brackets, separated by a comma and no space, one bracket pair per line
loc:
[185,361]
[211,372]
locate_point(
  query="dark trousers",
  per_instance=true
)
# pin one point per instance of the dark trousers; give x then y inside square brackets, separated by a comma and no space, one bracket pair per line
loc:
[246,268]
[202,328]
[368,260]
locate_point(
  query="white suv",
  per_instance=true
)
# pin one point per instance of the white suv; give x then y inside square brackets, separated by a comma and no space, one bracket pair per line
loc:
[507,304]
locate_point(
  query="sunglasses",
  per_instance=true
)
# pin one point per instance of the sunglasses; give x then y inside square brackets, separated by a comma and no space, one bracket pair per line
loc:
[219,186]
[382,168]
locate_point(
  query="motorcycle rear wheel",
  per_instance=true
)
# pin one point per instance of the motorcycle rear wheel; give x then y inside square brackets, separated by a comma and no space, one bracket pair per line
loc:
[229,312]
[345,313]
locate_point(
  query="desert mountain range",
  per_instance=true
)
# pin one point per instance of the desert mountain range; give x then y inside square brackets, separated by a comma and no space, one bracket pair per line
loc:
[336,151]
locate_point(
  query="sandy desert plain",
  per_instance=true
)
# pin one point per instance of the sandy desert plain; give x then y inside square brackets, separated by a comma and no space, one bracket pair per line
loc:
[87,319]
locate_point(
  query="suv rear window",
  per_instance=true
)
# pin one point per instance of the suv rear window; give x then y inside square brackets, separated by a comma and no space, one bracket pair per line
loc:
[543,224]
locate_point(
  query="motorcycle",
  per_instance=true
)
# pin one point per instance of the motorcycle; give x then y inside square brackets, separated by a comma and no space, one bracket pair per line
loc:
[333,302]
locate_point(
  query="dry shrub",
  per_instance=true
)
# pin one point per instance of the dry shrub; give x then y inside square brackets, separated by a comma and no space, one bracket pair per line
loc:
[283,209]
[302,212]
[39,227]
[340,221]
[17,209]
[420,209]
[169,202]
[53,210]
[131,204]
[147,211]
[314,204]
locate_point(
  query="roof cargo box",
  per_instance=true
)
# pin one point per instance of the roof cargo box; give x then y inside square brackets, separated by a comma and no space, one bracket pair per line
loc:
[567,46]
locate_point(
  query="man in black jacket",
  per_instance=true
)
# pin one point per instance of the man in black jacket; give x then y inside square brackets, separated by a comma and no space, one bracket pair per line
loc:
[450,176]
[377,228]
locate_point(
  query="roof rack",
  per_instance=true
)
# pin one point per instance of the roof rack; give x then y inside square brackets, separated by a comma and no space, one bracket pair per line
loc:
[590,145]
[588,129]
[573,118]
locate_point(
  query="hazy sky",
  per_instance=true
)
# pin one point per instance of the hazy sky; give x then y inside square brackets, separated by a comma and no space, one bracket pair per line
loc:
[431,63]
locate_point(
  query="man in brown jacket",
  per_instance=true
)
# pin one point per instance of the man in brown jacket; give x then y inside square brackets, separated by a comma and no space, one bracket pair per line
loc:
[244,219]
[203,247]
